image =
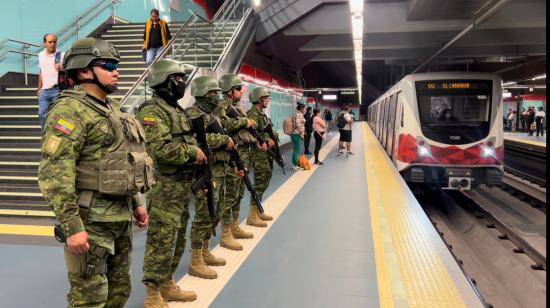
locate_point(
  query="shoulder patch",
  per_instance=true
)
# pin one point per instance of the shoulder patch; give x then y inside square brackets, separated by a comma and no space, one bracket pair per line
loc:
[149,120]
[64,126]
[51,144]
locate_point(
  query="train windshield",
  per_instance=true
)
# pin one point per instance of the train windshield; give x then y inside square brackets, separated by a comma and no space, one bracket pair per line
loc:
[454,111]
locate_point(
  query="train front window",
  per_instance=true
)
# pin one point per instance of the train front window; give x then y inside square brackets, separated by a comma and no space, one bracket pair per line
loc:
[453,110]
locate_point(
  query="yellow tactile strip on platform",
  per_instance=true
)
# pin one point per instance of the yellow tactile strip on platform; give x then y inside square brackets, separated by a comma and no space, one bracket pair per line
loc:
[409,270]
[26,230]
[526,141]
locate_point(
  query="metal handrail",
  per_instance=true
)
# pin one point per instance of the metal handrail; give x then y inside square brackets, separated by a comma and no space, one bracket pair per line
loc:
[78,21]
[158,57]
[181,42]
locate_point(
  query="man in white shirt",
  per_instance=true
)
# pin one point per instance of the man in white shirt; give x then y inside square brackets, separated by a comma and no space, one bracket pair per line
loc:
[539,120]
[50,61]
[345,132]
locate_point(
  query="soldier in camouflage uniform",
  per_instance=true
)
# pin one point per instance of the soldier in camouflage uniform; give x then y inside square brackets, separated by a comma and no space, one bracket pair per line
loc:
[231,85]
[173,147]
[92,167]
[261,164]
[207,94]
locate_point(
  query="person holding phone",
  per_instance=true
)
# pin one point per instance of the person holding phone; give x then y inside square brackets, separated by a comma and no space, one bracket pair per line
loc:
[49,61]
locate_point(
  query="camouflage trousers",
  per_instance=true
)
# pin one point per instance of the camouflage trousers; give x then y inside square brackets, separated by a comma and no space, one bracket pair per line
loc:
[201,229]
[258,161]
[101,277]
[229,203]
[168,207]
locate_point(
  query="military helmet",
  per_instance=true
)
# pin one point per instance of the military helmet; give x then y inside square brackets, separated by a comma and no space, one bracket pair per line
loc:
[202,85]
[258,93]
[84,51]
[228,81]
[162,69]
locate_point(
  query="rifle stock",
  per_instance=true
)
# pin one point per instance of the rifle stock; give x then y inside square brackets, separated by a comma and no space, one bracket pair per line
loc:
[277,157]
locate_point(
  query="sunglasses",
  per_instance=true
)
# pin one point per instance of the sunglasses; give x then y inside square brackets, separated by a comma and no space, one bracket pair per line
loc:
[108,66]
[238,88]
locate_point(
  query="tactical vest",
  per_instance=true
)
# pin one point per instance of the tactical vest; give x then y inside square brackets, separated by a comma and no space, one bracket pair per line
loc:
[126,169]
[181,131]
[243,136]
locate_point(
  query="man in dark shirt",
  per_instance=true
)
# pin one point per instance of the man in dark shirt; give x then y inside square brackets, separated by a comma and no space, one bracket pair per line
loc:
[309,130]
[155,36]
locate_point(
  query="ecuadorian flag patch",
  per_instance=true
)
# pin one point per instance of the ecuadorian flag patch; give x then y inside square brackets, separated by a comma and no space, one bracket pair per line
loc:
[64,126]
[149,121]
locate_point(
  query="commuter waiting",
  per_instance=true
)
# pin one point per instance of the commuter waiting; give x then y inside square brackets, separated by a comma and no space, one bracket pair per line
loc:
[49,61]
[319,128]
[539,120]
[155,37]
[328,118]
[298,122]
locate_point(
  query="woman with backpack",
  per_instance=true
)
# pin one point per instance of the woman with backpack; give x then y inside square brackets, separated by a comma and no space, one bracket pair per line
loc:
[298,122]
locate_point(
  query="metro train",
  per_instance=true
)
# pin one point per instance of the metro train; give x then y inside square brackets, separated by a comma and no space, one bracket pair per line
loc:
[444,130]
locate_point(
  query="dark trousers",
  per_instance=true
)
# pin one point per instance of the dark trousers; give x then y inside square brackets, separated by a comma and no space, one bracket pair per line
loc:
[539,127]
[529,128]
[307,139]
[318,143]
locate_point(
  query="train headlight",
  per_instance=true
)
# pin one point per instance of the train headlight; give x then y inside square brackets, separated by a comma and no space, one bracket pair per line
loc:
[423,148]
[487,151]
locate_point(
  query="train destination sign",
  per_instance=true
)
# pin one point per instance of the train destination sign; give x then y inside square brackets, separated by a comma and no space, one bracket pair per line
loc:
[454,85]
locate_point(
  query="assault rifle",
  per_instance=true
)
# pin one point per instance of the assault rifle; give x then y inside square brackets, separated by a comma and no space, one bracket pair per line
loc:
[215,127]
[205,180]
[277,157]
[233,113]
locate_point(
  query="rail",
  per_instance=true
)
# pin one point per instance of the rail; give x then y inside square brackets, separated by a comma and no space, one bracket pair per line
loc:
[182,42]
[63,33]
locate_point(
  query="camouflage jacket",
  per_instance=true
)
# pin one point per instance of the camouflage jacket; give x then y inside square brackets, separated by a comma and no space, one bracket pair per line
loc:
[261,119]
[216,142]
[170,139]
[236,127]
[74,132]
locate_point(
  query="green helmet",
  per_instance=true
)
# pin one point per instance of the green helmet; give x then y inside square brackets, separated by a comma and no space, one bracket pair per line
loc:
[257,93]
[228,81]
[202,85]
[162,69]
[84,51]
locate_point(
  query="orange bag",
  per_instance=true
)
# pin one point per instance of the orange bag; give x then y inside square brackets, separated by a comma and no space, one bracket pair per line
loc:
[303,162]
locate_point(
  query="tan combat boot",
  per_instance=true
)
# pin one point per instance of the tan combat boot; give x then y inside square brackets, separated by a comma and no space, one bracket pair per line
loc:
[198,268]
[227,240]
[170,291]
[253,219]
[264,216]
[239,233]
[209,258]
[154,299]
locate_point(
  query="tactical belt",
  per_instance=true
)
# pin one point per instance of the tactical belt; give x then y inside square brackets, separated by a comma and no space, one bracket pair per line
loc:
[178,176]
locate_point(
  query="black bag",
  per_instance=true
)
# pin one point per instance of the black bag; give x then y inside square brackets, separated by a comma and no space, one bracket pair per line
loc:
[341,121]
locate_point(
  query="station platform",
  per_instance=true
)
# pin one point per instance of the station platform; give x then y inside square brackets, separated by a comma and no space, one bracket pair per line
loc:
[345,234]
[523,137]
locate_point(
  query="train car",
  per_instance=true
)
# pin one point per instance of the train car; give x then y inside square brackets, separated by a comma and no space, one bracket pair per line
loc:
[443,129]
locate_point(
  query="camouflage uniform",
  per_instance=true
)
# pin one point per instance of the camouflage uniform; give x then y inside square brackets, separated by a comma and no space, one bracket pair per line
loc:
[77,133]
[173,148]
[260,160]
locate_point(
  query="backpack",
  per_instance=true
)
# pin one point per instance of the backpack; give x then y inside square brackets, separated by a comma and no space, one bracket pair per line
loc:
[288,126]
[341,121]
[304,162]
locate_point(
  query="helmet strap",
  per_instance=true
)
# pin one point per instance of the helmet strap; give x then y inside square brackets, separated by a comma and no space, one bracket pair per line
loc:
[95,80]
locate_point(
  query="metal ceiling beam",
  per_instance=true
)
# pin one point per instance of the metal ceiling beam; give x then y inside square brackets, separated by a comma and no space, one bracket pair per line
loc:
[478,20]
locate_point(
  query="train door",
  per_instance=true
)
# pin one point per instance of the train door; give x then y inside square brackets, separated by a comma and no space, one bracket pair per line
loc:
[398,123]
[391,124]
[384,140]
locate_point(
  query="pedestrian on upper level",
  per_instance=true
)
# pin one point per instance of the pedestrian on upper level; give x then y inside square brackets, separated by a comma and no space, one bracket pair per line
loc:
[156,36]
[50,61]
[539,120]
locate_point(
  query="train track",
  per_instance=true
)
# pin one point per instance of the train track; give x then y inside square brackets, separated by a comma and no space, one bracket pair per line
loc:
[526,190]
[500,259]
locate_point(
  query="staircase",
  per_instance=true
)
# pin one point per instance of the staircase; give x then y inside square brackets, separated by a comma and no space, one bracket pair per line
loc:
[19,125]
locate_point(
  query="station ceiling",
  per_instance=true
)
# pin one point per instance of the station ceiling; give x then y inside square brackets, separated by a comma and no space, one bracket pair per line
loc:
[314,37]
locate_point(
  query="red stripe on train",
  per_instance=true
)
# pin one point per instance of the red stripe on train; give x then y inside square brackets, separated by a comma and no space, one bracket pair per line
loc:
[407,152]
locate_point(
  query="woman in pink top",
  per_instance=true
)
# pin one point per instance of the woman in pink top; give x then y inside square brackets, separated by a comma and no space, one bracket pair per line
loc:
[319,129]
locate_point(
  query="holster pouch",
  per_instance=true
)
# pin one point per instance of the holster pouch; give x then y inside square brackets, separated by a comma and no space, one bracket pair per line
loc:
[93,262]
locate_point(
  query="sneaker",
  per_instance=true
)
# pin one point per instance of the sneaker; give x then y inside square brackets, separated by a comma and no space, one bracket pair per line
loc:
[350,153]
[319,163]
[296,168]
[340,152]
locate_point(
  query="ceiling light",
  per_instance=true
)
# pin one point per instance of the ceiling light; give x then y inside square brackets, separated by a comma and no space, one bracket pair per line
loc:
[356,6]
[509,83]
[329,97]
[257,2]
[539,77]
